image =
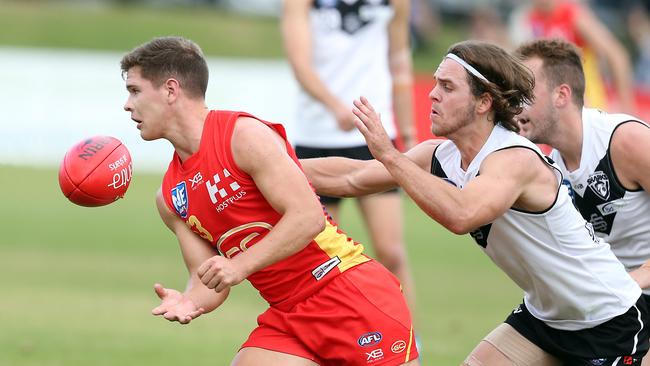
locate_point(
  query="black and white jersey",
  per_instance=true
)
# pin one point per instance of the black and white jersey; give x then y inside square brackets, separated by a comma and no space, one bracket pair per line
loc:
[619,216]
[570,277]
[350,55]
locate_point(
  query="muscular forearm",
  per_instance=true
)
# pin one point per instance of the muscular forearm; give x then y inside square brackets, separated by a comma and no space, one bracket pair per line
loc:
[204,297]
[438,199]
[343,177]
[330,176]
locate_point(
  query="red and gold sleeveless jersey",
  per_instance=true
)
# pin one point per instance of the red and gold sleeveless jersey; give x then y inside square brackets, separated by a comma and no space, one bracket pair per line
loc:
[561,23]
[222,204]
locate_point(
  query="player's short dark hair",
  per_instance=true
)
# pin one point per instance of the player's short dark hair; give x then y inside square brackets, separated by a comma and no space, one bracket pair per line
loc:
[561,64]
[170,57]
[510,83]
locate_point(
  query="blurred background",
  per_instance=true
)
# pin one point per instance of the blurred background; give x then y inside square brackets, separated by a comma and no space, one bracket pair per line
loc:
[76,283]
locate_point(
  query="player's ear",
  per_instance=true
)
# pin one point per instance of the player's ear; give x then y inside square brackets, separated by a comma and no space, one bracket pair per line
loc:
[562,95]
[484,103]
[172,86]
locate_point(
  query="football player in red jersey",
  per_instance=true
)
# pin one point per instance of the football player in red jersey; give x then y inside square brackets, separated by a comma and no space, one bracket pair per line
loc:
[241,208]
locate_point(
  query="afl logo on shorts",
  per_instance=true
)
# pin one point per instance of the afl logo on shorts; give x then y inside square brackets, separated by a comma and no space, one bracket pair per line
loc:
[369,339]
[179,199]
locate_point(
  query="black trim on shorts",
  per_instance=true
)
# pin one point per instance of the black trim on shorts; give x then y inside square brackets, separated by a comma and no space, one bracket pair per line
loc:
[361,152]
[621,341]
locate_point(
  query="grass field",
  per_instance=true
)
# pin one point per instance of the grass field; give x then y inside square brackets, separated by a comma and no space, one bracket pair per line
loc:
[77,283]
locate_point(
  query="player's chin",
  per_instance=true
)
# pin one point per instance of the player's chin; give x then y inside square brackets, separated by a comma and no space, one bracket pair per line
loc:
[145,135]
[525,132]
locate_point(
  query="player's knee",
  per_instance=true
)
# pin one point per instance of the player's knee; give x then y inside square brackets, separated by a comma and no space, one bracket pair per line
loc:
[394,259]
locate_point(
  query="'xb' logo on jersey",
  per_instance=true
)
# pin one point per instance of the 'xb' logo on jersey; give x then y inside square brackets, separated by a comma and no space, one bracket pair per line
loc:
[180,199]
[599,183]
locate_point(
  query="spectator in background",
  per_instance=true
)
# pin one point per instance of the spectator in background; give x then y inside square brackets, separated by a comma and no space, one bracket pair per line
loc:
[424,23]
[639,29]
[575,22]
[339,50]
[487,25]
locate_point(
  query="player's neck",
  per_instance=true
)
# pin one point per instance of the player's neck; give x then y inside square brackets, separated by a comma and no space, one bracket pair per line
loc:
[186,133]
[569,140]
[470,139]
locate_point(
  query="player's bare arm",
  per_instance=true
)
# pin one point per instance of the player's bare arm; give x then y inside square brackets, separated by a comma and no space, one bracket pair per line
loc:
[261,153]
[197,298]
[508,178]
[607,46]
[296,33]
[632,166]
[343,177]
[401,69]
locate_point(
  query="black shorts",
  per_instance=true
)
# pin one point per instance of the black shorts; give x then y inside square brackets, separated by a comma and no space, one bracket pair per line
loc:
[358,152]
[621,341]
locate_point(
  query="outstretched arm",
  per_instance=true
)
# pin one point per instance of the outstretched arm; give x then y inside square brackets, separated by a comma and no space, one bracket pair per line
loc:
[343,177]
[505,177]
[196,299]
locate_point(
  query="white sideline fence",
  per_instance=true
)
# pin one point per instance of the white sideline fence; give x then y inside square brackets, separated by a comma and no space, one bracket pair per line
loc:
[52,99]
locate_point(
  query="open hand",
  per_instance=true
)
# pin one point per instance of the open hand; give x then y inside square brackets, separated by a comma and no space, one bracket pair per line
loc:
[175,306]
[368,122]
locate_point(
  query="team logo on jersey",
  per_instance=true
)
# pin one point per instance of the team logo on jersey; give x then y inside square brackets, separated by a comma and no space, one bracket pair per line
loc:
[180,199]
[398,346]
[599,184]
[238,239]
[369,339]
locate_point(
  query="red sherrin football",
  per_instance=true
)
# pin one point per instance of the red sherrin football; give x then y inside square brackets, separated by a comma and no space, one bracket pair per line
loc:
[96,171]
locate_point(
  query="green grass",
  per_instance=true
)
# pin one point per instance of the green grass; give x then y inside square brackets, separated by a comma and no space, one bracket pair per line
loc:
[77,283]
[120,28]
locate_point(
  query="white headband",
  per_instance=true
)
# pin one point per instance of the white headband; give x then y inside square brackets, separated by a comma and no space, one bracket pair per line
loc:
[467,66]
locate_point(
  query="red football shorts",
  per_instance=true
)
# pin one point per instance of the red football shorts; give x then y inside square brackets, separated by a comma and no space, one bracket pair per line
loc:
[359,318]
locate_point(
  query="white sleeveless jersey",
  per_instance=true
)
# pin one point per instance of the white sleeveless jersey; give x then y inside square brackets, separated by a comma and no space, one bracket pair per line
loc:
[619,216]
[350,55]
[570,277]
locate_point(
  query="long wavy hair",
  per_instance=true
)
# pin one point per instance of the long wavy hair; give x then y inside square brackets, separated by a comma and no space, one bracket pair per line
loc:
[510,83]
